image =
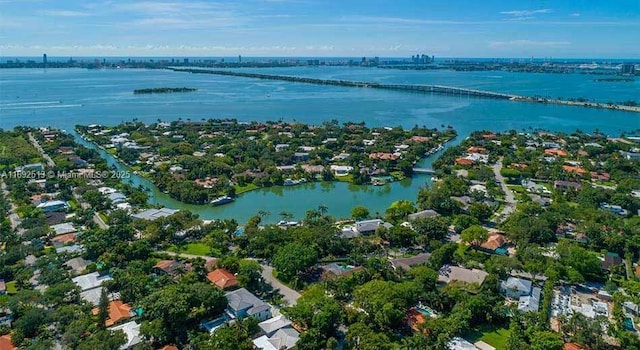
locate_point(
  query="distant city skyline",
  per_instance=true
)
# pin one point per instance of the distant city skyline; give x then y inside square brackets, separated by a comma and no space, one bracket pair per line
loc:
[307,28]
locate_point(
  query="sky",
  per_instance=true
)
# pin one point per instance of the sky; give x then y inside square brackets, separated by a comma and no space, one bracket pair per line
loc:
[321,28]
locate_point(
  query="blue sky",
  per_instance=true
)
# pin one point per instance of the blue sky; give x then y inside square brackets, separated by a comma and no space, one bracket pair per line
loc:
[444,28]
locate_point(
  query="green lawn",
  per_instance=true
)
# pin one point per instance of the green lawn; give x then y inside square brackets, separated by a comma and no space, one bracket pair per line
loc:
[496,337]
[246,188]
[191,248]
[347,178]
[11,287]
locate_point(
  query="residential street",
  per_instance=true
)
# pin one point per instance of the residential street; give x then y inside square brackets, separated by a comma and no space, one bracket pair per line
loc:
[44,155]
[289,295]
[509,198]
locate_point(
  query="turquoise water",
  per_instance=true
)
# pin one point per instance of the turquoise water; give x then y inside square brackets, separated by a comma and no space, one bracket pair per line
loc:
[66,97]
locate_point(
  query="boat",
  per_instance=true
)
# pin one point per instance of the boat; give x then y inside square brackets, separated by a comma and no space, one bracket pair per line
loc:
[290,182]
[222,200]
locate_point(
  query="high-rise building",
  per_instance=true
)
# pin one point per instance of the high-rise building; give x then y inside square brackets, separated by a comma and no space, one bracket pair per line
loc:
[44,58]
[628,68]
[240,58]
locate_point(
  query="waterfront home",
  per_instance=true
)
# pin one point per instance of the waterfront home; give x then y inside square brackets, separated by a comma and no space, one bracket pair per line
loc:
[407,263]
[117,198]
[154,214]
[243,303]
[341,170]
[222,279]
[429,213]
[132,333]
[117,311]
[312,169]
[370,226]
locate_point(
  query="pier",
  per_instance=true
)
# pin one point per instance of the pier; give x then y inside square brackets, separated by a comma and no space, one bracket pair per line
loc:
[419,88]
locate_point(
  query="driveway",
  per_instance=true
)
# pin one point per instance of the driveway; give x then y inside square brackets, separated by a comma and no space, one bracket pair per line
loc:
[509,198]
[289,295]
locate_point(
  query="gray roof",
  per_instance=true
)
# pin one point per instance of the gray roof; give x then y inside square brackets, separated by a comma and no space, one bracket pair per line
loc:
[429,213]
[117,197]
[518,284]
[285,338]
[368,225]
[132,331]
[407,263]
[455,273]
[242,299]
[77,264]
[273,324]
[90,280]
[153,214]
[76,248]
[63,228]
[530,303]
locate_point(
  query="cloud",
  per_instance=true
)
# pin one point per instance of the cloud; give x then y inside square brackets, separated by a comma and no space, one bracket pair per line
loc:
[574,15]
[526,43]
[63,13]
[525,14]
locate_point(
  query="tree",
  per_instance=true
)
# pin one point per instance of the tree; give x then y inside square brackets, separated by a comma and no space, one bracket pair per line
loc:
[360,212]
[480,211]
[399,210]
[103,308]
[545,340]
[475,235]
[232,337]
[250,275]
[431,229]
[292,259]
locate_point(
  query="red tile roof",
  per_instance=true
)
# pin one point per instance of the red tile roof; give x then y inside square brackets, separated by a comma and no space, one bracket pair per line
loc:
[572,346]
[222,278]
[555,152]
[494,241]
[464,161]
[64,239]
[6,343]
[383,156]
[574,169]
[117,311]
[415,318]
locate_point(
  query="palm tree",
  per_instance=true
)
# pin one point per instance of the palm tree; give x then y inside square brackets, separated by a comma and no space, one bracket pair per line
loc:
[285,215]
[323,209]
[263,213]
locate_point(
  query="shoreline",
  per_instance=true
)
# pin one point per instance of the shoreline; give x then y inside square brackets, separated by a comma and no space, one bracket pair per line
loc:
[429,153]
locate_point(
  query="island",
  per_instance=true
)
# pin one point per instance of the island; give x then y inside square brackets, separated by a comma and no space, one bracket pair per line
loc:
[212,161]
[163,90]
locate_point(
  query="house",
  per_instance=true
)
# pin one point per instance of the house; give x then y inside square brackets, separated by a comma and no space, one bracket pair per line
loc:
[530,302]
[515,288]
[117,311]
[429,213]
[91,286]
[64,228]
[71,249]
[458,343]
[55,205]
[383,156]
[169,347]
[6,343]
[574,169]
[572,346]
[29,167]
[301,156]
[448,274]
[341,170]
[333,270]
[610,260]
[495,241]
[117,198]
[555,152]
[631,308]
[370,226]
[172,268]
[222,279]
[154,214]
[243,303]
[77,265]
[407,263]
[54,217]
[285,338]
[600,176]
[415,318]
[313,169]
[282,147]
[271,326]
[3,287]
[132,333]
[62,240]
[464,161]
[616,209]
[566,185]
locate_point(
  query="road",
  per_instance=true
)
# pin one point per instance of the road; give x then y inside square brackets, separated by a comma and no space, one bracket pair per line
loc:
[14,219]
[289,295]
[46,157]
[509,198]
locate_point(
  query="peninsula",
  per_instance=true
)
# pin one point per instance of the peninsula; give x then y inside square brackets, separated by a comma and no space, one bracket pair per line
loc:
[214,160]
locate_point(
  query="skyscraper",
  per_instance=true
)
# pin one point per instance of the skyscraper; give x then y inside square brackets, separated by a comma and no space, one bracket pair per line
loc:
[44,58]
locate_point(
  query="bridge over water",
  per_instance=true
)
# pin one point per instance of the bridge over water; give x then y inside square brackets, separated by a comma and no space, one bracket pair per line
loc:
[421,88]
[424,171]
